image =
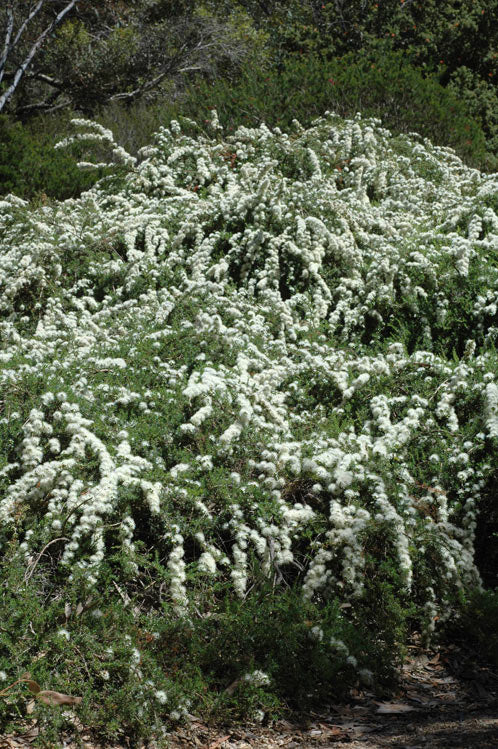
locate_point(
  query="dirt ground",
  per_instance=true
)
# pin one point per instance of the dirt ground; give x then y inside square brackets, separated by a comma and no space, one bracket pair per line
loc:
[448,699]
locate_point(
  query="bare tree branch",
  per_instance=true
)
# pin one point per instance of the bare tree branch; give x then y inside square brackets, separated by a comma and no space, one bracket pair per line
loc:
[46,79]
[38,76]
[141,89]
[42,106]
[34,49]
[190,68]
[33,13]
[8,36]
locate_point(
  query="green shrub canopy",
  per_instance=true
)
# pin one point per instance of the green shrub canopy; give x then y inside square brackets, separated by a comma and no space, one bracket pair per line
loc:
[263,356]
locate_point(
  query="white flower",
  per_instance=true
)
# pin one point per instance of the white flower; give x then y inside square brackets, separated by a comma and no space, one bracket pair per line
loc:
[317,633]
[492,409]
[135,656]
[207,563]
[257,678]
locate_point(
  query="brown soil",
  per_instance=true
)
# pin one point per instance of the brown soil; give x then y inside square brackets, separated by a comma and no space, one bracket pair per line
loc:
[447,699]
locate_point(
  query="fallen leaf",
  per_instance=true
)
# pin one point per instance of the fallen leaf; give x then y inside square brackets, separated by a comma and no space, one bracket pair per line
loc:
[333,730]
[218,742]
[30,706]
[393,708]
[56,698]
[33,687]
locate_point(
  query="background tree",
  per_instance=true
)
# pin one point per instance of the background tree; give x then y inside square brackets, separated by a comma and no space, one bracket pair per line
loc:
[26,28]
[116,51]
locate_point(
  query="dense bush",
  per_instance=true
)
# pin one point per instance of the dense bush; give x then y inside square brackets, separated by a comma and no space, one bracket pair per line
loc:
[30,166]
[139,668]
[432,30]
[480,98]
[440,38]
[380,85]
[249,400]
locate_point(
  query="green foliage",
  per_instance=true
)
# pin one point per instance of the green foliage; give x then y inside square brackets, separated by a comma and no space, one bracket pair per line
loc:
[380,85]
[440,38]
[434,33]
[94,68]
[376,84]
[289,639]
[136,666]
[480,97]
[29,165]
[478,623]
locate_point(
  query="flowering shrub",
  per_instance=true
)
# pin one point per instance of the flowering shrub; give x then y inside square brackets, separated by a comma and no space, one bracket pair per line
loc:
[262,359]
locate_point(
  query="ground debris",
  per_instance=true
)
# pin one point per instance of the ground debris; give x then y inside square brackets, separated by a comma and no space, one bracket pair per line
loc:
[447,697]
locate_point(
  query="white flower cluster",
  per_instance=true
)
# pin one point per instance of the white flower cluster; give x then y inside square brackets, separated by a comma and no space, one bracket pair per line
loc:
[199,351]
[492,409]
[342,652]
[257,678]
[176,567]
[97,134]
